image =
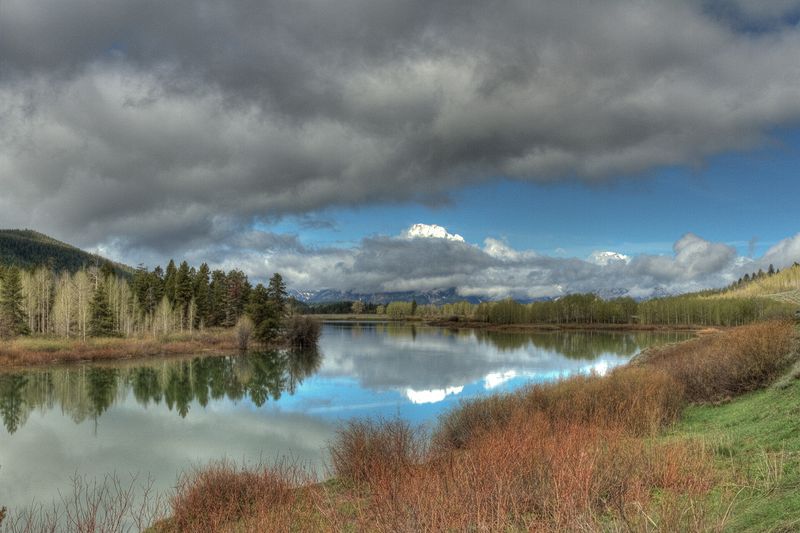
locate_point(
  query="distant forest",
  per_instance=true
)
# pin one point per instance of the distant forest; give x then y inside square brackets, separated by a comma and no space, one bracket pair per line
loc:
[28,249]
[764,295]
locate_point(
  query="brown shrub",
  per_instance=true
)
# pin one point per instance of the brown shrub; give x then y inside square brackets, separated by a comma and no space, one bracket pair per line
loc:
[374,452]
[533,474]
[220,496]
[717,367]
[638,400]
[302,331]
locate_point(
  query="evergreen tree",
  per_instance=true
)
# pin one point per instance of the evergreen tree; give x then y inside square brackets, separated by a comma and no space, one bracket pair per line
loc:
[107,269]
[237,295]
[276,291]
[184,291]
[12,311]
[170,281]
[265,313]
[217,298]
[101,322]
[202,294]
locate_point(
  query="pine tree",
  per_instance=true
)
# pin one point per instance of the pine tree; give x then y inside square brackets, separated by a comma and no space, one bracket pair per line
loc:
[237,295]
[101,322]
[276,291]
[217,298]
[265,314]
[170,281]
[184,289]
[202,296]
[12,315]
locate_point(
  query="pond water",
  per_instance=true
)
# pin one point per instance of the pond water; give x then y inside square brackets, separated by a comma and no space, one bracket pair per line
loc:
[159,417]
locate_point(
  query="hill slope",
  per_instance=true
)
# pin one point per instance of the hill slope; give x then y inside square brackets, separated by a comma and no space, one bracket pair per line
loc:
[28,249]
[783,286]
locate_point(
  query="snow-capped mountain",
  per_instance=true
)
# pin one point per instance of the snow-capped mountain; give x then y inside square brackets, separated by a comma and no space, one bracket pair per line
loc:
[610,294]
[431,231]
[607,257]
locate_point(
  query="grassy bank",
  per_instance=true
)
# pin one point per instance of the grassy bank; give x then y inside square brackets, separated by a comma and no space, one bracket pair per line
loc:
[31,351]
[615,452]
[756,445]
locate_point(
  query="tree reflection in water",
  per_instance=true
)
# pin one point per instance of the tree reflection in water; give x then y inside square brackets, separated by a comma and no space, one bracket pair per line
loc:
[88,391]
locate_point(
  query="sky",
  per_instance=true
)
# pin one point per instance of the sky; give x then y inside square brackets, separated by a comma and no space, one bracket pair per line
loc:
[310,137]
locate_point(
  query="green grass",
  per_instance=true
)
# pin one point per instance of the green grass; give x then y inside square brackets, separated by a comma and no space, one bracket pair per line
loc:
[756,440]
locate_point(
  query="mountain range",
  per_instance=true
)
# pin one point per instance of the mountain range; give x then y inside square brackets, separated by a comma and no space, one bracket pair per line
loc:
[436,296]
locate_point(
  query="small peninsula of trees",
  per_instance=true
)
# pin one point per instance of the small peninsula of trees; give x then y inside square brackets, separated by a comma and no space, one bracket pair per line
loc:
[99,302]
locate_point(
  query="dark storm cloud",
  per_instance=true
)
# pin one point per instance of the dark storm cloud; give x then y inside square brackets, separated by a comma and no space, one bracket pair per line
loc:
[156,125]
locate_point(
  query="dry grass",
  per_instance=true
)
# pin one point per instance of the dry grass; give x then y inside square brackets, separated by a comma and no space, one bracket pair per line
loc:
[31,351]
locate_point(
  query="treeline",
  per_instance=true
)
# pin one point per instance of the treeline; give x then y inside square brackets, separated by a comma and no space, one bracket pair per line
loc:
[687,310]
[97,302]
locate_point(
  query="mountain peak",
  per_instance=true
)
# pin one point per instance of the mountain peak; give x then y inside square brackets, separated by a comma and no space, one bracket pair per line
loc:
[605,258]
[431,231]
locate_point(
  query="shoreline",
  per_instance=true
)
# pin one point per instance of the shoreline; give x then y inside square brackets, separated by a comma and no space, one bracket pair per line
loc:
[569,327]
[31,352]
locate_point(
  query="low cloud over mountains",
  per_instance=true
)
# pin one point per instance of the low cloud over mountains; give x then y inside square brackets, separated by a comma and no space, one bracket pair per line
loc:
[426,257]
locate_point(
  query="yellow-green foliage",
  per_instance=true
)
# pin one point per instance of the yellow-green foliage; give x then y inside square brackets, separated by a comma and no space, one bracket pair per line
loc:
[709,311]
[785,285]
[698,309]
[399,309]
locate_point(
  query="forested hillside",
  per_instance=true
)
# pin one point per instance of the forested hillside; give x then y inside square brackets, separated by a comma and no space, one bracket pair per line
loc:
[782,285]
[29,249]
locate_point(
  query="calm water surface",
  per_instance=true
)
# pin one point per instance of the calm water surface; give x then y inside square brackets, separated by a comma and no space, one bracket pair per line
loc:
[159,417]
